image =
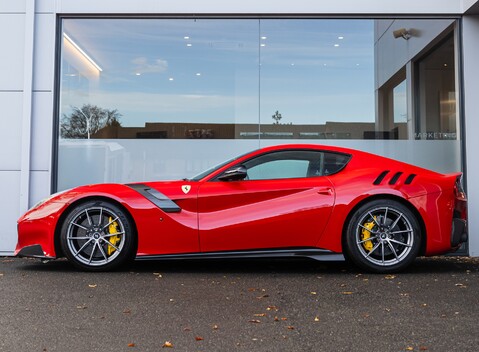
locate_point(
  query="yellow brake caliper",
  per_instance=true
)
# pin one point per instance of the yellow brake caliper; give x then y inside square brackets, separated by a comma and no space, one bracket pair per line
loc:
[365,234]
[114,240]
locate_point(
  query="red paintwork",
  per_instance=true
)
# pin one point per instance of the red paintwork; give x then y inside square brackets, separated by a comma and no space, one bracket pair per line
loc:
[236,215]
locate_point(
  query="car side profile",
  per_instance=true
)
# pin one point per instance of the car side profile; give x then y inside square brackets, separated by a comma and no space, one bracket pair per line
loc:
[300,200]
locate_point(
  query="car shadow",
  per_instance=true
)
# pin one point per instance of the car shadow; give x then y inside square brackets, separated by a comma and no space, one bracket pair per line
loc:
[443,264]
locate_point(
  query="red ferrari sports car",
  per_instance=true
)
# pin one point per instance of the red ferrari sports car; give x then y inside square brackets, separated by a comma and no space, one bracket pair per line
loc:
[310,201]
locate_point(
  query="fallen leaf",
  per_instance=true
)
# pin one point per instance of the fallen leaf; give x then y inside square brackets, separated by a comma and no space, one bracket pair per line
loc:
[215,327]
[81,306]
[346,293]
[461,285]
[313,293]
[284,319]
[390,277]
[276,319]
[199,338]
[157,274]
[92,285]
[422,348]
[260,315]
[127,311]
[256,321]
[289,327]
[263,296]
[316,318]
[131,344]
[272,308]
[167,344]
[409,348]
[251,289]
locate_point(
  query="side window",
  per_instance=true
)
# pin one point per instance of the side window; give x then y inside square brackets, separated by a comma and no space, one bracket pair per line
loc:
[334,162]
[285,164]
[292,164]
[277,169]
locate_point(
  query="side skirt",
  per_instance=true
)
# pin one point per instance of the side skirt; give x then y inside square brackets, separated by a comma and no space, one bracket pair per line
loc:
[313,253]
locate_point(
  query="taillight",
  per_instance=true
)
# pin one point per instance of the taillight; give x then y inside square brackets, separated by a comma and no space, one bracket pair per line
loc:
[460,204]
[459,189]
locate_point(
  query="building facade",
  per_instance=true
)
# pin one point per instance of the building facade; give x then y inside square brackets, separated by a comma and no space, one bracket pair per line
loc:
[121,91]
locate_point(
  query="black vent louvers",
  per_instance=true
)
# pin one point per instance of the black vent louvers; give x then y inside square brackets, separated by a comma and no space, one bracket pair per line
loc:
[395,178]
[409,179]
[381,177]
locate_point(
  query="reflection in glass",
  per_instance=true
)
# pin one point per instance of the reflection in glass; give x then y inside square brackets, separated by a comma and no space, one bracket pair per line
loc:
[173,79]
[437,117]
[145,99]
[318,75]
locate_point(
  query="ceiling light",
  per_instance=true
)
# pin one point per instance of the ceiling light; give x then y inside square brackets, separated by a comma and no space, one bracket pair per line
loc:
[84,54]
[198,73]
[189,44]
[264,38]
[186,37]
[170,79]
[138,74]
[340,37]
[263,44]
[336,45]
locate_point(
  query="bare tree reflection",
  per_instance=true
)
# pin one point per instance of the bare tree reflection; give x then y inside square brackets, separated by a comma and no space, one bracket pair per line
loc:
[84,122]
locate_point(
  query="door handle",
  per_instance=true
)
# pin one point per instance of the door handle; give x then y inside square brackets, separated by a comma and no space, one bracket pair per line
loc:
[328,191]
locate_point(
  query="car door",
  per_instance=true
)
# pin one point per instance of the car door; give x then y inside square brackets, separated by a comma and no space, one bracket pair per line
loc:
[283,202]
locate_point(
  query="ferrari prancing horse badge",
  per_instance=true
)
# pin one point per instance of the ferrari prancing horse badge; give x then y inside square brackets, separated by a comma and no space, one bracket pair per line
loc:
[185,188]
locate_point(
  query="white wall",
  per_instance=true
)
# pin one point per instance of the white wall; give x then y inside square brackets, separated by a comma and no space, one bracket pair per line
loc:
[471,111]
[12,21]
[27,35]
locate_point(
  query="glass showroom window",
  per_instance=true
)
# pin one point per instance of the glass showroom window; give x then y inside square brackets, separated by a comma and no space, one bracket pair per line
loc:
[154,98]
[146,99]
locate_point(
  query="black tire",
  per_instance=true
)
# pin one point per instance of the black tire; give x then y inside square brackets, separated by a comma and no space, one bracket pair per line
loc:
[382,236]
[97,236]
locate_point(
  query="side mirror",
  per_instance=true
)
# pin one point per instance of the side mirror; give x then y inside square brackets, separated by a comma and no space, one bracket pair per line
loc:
[236,173]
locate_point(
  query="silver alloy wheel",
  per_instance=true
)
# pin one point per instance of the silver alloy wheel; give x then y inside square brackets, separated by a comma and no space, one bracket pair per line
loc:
[384,236]
[95,236]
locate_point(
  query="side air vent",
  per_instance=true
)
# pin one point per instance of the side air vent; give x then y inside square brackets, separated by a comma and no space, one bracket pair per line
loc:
[409,179]
[395,178]
[381,177]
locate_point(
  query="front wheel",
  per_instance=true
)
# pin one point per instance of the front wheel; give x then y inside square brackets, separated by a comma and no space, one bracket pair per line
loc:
[383,236]
[97,236]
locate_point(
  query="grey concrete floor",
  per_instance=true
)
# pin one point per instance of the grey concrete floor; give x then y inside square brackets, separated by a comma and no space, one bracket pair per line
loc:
[270,305]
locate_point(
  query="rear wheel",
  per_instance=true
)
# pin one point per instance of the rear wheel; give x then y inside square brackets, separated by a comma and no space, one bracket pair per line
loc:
[383,236]
[97,236]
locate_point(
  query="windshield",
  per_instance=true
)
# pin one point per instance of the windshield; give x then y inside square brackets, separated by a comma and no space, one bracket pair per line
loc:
[214,168]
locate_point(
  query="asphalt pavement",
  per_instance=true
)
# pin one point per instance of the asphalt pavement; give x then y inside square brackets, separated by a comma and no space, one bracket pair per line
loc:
[240,305]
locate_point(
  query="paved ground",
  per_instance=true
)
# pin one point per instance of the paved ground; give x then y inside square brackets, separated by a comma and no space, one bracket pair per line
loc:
[239,306]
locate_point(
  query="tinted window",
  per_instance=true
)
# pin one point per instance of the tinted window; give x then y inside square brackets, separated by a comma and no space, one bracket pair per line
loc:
[334,162]
[295,164]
